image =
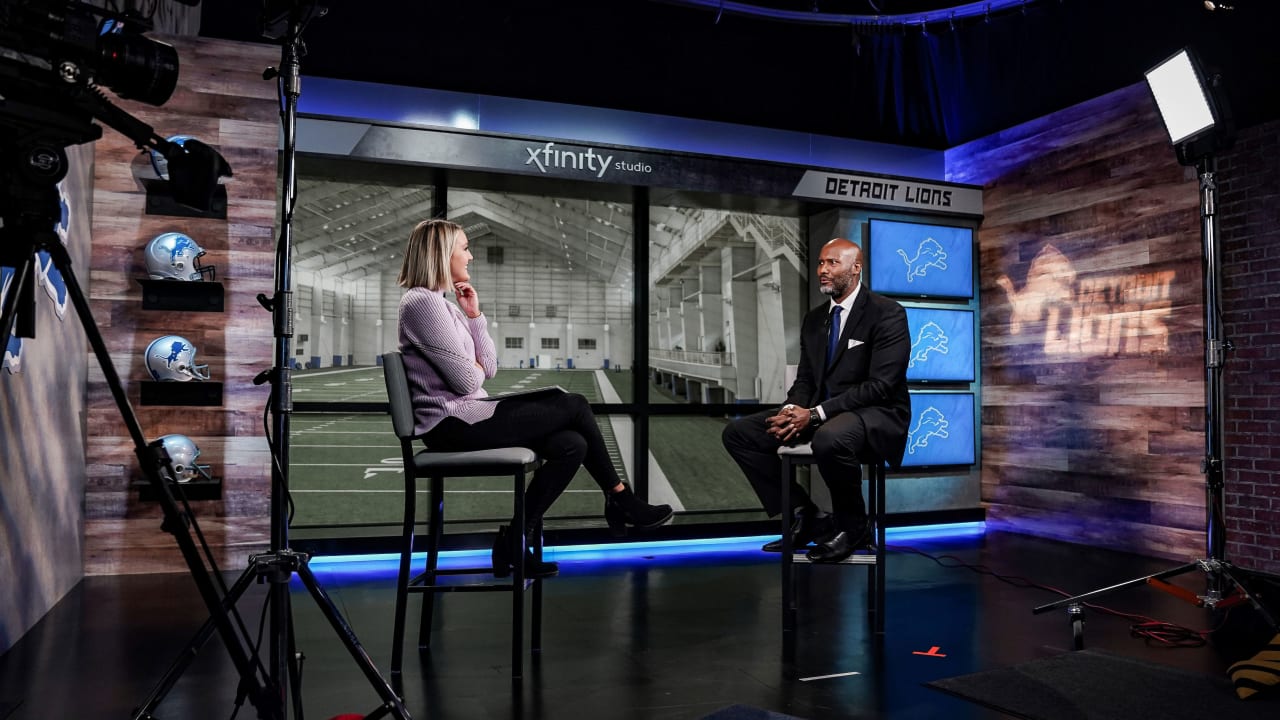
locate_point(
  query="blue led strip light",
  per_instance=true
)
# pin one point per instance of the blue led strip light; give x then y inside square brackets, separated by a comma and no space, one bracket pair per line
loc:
[623,551]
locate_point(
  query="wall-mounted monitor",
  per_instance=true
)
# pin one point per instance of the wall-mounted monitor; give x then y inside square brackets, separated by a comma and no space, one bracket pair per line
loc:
[918,260]
[941,345]
[941,431]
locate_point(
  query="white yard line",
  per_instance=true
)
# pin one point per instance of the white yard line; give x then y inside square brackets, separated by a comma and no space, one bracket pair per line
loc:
[401,491]
[344,447]
[660,490]
[320,373]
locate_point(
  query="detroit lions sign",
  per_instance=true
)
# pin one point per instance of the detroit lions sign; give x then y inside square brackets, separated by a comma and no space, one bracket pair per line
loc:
[891,192]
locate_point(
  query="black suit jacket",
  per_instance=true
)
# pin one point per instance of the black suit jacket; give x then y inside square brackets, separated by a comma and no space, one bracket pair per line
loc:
[869,378]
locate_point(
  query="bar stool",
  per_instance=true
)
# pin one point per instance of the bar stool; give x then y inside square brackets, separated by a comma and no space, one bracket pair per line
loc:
[873,471]
[515,461]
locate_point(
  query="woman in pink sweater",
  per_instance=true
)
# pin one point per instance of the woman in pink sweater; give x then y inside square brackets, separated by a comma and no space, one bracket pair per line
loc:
[448,355]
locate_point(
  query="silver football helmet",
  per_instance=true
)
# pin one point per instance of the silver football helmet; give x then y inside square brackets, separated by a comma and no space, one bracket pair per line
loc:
[182,457]
[173,357]
[175,256]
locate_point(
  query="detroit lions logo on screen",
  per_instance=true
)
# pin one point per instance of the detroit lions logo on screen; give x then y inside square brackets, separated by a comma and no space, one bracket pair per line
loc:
[928,255]
[933,424]
[930,339]
[47,276]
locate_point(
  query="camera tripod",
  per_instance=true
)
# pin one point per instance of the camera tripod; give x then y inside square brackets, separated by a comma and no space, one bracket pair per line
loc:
[33,141]
[1220,575]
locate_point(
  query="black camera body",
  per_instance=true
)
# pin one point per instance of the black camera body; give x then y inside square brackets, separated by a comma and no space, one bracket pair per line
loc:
[69,43]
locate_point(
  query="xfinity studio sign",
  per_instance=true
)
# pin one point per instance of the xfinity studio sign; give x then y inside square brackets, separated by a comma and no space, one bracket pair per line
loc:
[548,158]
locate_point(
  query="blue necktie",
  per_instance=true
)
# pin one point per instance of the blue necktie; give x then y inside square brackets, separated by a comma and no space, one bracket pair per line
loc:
[833,335]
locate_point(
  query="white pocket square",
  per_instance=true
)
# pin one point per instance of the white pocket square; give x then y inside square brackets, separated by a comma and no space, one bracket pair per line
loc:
[853,344]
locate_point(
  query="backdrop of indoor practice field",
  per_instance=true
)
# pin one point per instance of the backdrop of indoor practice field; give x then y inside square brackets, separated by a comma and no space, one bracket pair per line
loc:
[345,468]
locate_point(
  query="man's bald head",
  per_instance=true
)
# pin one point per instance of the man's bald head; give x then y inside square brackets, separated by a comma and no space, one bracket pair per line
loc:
[839,268]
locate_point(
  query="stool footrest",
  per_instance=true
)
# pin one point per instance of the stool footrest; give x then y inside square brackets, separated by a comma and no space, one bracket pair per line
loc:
[855,559]
[477,570]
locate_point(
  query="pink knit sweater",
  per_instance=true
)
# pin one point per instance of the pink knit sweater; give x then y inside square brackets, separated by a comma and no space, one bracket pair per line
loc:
[441,347]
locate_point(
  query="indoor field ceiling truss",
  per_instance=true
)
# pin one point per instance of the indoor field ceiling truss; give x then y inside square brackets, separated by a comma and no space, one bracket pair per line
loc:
[353,230]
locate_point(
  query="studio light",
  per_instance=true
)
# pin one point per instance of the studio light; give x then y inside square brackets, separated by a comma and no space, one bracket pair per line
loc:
[1196,114]
[1180,93]
[1191,106]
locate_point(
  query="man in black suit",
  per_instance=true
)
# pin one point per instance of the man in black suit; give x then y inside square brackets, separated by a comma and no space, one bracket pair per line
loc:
[849,399]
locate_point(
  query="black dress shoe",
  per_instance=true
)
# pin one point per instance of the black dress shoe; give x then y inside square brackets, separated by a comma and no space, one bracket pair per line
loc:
[806,529]
[841,546]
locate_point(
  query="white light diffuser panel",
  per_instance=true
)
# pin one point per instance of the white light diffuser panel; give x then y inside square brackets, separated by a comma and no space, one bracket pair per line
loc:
[1181,97]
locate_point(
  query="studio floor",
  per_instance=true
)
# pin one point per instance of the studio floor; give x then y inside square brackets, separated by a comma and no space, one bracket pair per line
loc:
[662,635]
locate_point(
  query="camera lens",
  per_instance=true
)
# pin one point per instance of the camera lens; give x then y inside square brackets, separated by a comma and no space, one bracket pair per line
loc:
[137,67]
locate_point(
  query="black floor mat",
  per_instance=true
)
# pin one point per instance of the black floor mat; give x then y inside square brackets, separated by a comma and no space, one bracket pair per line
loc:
[1100,686]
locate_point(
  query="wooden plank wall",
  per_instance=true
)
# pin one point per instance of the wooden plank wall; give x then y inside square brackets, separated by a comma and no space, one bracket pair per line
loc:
[1092,329]
[222,100]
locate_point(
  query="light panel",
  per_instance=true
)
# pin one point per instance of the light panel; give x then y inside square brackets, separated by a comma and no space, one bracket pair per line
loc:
[1181,96]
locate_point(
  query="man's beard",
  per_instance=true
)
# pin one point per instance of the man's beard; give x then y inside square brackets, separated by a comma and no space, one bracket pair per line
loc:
[840,284]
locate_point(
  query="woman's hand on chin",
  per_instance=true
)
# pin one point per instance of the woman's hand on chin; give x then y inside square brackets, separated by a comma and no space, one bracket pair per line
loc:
[468,300]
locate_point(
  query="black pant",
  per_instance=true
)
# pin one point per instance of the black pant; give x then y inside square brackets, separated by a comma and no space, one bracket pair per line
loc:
[837,444]
[559,427]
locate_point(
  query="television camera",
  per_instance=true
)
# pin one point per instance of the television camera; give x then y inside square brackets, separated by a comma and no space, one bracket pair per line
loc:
[55,56]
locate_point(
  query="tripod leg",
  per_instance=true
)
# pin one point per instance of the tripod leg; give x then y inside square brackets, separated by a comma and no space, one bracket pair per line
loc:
[23,279]
[188,654]
[1224,569]
[151,459]
[295,667]
[1077,599]
[352,643]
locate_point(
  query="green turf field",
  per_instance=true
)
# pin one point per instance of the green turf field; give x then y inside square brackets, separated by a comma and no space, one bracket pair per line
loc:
[345,468]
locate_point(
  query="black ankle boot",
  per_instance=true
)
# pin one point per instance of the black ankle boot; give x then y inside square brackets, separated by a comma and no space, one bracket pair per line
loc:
[506,546]
[623,508]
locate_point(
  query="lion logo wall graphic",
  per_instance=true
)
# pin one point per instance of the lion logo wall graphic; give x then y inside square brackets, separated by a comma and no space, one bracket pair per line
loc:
[1050,281]
[928,254]
[932,424]
[931,338]
[46,275]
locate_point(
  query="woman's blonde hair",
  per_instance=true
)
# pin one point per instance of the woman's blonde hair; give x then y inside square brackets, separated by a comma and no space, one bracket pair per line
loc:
[428,254]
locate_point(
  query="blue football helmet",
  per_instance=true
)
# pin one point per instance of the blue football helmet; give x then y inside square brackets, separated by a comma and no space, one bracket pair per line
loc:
[182,457]
[173,357]
[158,161]
[175,256]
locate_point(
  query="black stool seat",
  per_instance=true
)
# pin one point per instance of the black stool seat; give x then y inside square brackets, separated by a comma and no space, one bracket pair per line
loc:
[874,473]
[435,466]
